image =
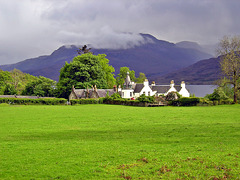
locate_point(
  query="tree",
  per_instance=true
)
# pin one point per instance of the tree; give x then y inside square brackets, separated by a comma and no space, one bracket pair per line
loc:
[141,78]
[43,87]
[229,51]
[4,79]
[109,70]
[123,74]
[84,71]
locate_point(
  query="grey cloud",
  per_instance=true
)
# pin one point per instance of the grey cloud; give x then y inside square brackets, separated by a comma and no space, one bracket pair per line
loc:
[32,28]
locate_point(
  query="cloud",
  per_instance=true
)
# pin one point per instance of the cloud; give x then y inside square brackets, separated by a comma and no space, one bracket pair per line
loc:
[32,28]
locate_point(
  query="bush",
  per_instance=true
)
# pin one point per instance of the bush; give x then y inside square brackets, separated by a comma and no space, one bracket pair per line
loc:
[185,101]
[205,102]
[146,99]
[87,101]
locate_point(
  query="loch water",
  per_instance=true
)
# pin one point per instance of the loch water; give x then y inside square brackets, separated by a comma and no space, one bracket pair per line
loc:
[201,90]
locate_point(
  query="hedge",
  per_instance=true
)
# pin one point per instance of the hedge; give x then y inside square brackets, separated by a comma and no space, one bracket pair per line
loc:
[185,101]
[86,101]
[40,101]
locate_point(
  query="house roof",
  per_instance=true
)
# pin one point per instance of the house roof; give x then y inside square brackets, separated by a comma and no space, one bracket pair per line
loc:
[138,88]
[28,97]
[81,93]
[178,87]
[7,96]
[160,88]
[164,88]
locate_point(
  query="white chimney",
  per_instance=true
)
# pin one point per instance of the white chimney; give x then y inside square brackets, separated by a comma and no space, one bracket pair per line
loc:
[146,83]
[183,85]
[172,83]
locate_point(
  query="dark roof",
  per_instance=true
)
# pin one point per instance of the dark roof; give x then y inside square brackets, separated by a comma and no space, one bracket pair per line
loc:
[160,88]
[81,93]
[28,97]
[138,88]
[164,88]
[178,88]
[7,96]
[103,92]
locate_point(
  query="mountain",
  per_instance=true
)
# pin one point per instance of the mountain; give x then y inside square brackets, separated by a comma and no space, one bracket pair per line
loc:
[203,72]
[154,58]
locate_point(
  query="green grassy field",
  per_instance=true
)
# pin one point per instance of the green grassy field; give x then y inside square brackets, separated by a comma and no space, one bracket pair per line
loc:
[111,142]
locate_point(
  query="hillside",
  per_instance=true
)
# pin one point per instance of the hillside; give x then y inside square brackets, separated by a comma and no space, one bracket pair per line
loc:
[154,58]
[203,72]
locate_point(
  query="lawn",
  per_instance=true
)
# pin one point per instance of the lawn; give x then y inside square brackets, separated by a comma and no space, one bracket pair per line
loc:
[111,142]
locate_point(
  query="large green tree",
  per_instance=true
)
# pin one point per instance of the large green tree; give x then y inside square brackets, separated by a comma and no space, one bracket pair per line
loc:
[84,71]
[229,51]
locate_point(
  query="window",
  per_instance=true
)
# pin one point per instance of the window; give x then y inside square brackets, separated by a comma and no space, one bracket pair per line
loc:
[148,93]
[130,94]
[122,94]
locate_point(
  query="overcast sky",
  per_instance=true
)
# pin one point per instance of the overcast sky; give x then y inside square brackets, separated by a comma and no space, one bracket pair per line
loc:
[30,28]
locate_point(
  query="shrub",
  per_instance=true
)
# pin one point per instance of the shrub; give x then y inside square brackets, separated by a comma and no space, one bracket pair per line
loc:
[205,102]
[171,96]
[86,101]
[185,101]
[147,99]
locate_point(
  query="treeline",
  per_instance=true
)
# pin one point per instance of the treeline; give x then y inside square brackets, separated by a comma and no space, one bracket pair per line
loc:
[17,82]
[85,70]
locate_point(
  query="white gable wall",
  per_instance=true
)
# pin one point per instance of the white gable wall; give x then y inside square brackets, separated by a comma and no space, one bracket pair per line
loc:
[147,91]
[184,92]
[127,93]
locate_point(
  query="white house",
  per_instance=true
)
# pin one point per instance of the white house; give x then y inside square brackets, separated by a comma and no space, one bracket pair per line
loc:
[165,89]
[132,90]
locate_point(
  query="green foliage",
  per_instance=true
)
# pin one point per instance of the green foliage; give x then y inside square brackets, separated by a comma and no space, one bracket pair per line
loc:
[42,87]
[217,95]
[9,90]
[123,74]
[4,79]
[86,101]
[141,78]
[147,99]
[108,71]
[185,101]
[39,101]
[115,96]
[119,142]
[14,82]
[171,96]
[85,71]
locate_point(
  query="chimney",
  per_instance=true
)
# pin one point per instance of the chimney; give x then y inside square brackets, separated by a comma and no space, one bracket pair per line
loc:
[172,83]
[115,88]
[183,85]
[73,88]
[119,88]
[146,82]
[153,83]
[95,88]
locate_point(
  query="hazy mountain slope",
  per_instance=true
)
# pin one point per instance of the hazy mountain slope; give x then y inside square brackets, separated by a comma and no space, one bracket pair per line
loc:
[154,58]
[202,72]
